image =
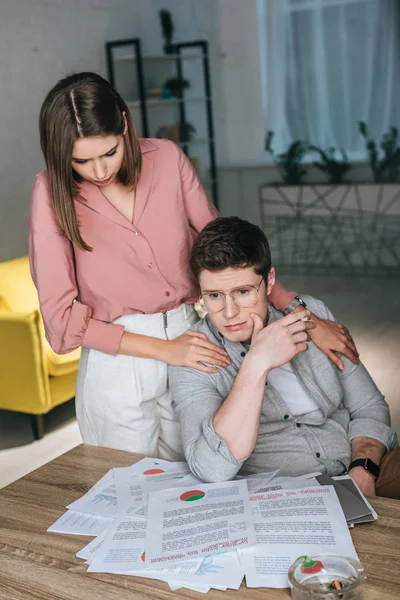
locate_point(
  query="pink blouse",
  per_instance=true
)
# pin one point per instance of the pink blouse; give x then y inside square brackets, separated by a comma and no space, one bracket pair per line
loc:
[139,267]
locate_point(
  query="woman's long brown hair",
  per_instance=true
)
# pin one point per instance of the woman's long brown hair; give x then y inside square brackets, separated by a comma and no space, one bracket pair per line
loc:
[82,105]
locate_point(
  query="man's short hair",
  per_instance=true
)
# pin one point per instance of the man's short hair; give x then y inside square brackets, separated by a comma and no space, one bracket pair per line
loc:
[231,242]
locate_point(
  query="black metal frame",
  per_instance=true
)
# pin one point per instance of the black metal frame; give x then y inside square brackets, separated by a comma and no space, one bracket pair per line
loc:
[137,50]
[176,49]
[203,45]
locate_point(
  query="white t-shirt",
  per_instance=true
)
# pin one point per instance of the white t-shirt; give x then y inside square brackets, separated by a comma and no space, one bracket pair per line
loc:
[284,380]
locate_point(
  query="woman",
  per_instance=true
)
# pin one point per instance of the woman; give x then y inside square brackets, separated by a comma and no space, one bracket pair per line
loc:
[112,224]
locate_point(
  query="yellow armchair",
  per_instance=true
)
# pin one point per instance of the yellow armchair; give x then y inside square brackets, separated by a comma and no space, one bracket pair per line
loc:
[33,379]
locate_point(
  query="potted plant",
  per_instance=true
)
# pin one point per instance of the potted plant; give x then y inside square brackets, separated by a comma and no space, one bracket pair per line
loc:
[335,226]
[289,162]
[335,169]
[385,165]
[187,131]
[175,85]
[167,28]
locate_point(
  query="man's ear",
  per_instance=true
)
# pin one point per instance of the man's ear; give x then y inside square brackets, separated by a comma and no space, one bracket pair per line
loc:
[271,280]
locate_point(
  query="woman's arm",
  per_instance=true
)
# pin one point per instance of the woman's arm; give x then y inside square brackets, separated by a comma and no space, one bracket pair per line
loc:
[330,337]
[280,297]
[69,323]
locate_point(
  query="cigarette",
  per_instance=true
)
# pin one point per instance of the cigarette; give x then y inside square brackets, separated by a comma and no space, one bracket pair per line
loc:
[306,319]
[336,584]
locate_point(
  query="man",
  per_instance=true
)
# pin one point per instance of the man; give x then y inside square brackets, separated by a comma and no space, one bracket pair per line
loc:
[281,403]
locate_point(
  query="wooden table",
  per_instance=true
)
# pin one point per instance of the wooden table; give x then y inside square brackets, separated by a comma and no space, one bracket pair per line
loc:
[36,565]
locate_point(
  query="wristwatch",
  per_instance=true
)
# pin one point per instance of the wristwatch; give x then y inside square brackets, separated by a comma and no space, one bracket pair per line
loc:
[297,301]
[367,464]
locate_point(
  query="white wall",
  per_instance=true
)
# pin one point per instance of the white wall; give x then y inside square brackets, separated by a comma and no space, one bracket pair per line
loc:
[242,122]
[43,40]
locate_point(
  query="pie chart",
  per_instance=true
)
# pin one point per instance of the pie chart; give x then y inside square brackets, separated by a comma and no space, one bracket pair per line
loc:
[192,495]
[153,472]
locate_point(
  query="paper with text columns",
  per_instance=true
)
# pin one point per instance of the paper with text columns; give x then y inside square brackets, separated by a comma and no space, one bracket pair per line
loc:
[198,520]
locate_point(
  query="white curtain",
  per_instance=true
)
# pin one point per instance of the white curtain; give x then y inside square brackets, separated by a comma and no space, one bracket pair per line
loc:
[328,64]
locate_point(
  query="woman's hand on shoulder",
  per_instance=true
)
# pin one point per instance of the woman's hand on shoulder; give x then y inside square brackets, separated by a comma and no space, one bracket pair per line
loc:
[331,337]
[192,349]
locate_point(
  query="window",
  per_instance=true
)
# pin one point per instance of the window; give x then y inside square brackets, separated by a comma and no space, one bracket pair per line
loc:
[327,64]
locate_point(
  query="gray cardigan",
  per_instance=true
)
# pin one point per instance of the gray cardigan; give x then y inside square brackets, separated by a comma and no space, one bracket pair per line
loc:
[350,405]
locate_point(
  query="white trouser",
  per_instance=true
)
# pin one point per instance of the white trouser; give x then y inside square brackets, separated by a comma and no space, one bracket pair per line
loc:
[124,402]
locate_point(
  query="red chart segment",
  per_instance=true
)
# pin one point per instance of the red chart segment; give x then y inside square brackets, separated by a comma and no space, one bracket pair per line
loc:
[192,495]
[153,472]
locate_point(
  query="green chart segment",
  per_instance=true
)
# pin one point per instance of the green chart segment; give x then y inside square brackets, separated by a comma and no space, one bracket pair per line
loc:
[192,495]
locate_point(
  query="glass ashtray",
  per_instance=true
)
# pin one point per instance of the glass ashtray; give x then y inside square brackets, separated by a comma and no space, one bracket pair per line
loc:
[326,577]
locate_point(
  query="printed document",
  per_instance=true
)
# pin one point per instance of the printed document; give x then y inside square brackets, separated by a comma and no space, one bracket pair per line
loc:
[198,520]
[289,524]
[78,523]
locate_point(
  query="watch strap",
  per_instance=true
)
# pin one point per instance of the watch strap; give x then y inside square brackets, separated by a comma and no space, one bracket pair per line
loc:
[367,464]
[297,301]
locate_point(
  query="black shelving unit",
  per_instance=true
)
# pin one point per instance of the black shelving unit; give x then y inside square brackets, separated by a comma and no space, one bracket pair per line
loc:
[128,52]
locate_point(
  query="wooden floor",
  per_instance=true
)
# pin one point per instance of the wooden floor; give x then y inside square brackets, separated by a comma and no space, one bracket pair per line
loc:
[369,307]
[20,453]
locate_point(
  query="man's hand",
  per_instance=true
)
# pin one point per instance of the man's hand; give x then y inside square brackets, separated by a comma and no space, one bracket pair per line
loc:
[364,480]
[276,344]
[331,337]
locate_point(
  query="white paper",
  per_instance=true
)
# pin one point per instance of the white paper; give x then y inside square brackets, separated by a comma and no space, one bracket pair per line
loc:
[293,523]
[198,520]
[258,481]
[157,468]
[123,548]
[280,483]
[88,552]
[130,494]
[77,523]
[139,509]
[170,573]
[100,500]
[218,571]
[176,470]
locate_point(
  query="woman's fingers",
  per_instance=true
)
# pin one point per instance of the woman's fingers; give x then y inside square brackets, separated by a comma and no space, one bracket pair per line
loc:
[350,354]
[348,340]
[209,356]
[335,359]
[203,342]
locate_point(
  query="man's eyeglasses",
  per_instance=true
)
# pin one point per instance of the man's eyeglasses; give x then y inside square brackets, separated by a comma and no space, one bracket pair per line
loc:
[245,296]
